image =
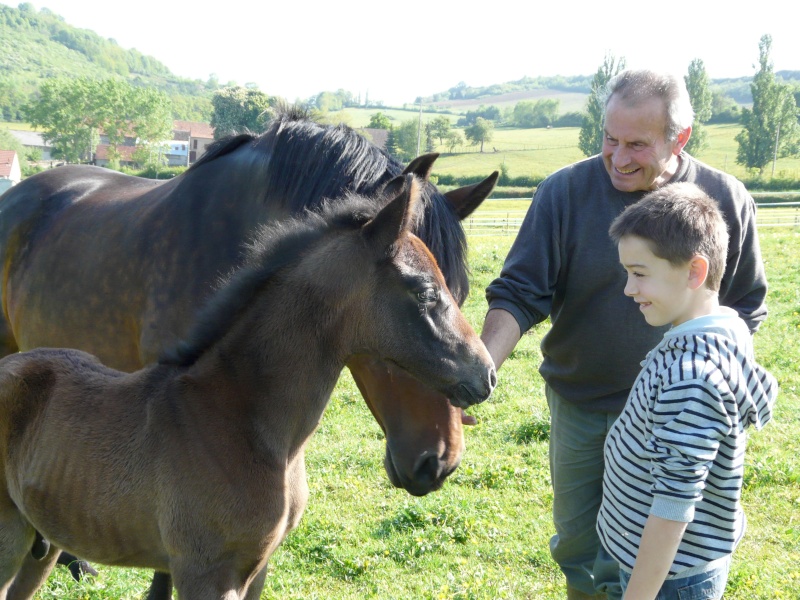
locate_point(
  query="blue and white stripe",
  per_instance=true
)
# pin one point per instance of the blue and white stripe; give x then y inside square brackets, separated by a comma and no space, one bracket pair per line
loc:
[677,449]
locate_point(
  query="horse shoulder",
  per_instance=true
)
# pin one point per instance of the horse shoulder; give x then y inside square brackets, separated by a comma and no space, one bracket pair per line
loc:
[26,384]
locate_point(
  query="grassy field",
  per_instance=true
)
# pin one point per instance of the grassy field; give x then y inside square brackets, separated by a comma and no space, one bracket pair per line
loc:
[485,534]
[538,152]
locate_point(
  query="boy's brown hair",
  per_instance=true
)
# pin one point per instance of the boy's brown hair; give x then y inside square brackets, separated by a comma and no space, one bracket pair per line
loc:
[678,221]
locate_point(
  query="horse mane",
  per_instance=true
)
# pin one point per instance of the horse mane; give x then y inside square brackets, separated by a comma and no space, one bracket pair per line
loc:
[275,246]
[306,162]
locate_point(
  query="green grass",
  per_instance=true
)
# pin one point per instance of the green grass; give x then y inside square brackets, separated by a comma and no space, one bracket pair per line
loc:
[485,534]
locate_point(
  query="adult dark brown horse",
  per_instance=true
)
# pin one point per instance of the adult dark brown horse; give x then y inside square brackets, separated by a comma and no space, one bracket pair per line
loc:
[118,266]
[198,460]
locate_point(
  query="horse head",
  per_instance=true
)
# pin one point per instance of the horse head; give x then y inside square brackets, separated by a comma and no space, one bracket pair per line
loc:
[430,337]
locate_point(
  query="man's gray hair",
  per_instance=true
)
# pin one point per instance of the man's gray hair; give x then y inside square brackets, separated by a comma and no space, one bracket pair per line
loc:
[633,86]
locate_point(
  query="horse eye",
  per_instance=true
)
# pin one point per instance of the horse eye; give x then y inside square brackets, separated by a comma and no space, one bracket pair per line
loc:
[428,295]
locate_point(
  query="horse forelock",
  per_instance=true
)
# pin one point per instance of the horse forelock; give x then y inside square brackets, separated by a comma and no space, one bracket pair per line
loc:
[439,227]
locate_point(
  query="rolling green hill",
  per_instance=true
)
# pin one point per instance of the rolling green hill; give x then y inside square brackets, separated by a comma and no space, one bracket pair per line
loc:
[38,45]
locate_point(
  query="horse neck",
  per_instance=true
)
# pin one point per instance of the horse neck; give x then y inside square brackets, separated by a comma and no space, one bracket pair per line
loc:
[278,364]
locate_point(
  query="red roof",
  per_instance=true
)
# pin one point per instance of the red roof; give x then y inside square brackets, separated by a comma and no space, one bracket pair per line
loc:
[195,129]
[125,152]
[7,158]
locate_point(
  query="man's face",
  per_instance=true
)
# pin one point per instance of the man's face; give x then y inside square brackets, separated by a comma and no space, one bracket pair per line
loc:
[636,153]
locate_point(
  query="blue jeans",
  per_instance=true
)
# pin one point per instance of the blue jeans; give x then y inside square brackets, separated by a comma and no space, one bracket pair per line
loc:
[576,470]
[709,585]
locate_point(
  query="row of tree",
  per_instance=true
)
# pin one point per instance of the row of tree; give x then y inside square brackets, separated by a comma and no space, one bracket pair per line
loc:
[770,129]
[73,112]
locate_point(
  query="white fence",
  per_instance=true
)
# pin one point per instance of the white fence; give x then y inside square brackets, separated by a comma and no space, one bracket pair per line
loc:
[508,222]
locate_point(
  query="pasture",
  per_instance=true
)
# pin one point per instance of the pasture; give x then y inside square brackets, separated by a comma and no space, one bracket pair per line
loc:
[484,535]
[539,152]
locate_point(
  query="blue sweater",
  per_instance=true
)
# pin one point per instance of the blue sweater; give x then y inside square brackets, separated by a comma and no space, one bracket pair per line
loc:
[677,449]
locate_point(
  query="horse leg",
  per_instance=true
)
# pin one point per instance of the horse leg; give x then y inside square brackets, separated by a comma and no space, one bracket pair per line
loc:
[32,574]
[16,540]
[257,585]
[77,567]
[161,587]
[212,583]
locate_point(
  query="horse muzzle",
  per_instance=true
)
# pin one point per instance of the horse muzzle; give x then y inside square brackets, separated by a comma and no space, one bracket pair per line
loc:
[429,473]
[470,392]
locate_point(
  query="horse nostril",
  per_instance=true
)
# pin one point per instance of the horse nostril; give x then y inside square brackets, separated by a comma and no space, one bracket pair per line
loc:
[492,378]
[427,469]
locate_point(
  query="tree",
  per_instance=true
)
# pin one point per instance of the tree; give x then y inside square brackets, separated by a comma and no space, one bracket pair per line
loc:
[490,113]
[405,137]
[72,113]
[238,109]
[453,141]
[440,128]
[379,121]
[590,139]
[770,127]
[698,86]
[542,113]
[480,132]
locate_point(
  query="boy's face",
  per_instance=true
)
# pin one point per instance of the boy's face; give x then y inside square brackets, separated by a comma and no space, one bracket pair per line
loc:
[661,289]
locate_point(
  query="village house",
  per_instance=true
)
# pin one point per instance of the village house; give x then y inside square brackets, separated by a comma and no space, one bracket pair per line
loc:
[197,135]
[10,172]
[34,141]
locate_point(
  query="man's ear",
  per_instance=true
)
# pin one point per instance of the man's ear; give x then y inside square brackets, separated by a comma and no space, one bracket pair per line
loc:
[681,141]
[698,271]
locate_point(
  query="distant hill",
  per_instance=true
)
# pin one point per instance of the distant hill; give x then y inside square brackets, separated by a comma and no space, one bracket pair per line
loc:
[38,45]
[572,92]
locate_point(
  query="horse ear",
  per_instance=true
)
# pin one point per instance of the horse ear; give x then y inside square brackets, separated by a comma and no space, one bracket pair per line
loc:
[383,231]
[422,166]
[466,199]
[394,188]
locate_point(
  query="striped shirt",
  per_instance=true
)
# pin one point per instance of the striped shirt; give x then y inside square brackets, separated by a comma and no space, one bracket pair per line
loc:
[677,449]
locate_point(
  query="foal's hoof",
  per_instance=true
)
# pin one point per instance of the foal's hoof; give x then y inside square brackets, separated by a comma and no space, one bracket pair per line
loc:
[40,547]
[81,569]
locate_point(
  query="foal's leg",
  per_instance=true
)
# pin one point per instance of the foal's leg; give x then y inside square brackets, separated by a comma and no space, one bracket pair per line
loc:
[16,539]
[32,575]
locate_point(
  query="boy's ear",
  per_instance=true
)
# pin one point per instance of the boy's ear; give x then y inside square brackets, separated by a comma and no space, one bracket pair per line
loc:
[698,271]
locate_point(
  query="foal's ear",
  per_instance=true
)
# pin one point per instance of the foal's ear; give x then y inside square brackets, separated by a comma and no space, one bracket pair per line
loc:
[383,231]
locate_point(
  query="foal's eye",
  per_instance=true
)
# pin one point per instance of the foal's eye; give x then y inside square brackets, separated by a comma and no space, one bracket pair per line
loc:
[427,296]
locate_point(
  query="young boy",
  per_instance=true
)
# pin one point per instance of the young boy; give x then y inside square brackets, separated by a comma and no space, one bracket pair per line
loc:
[671,513]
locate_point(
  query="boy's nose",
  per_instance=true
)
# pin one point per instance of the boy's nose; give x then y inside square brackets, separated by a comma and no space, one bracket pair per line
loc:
[630,288]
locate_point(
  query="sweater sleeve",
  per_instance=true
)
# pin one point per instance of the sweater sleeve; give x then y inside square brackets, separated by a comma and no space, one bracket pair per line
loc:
[527,280]
[690,421]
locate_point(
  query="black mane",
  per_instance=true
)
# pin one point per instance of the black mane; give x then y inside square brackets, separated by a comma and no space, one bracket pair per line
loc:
[307,163]
[274,246]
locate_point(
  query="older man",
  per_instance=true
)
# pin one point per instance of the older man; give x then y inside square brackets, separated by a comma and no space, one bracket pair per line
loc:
[563,265]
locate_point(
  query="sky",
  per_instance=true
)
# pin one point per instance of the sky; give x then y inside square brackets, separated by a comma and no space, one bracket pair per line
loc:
[397,51]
